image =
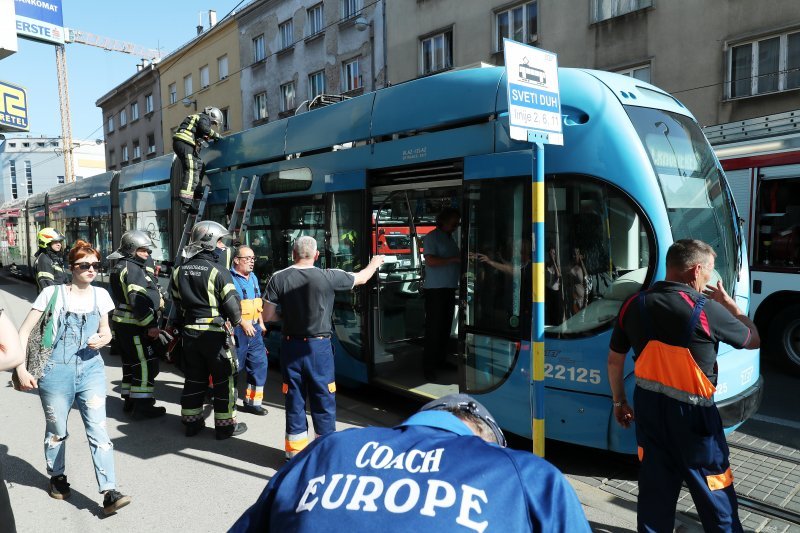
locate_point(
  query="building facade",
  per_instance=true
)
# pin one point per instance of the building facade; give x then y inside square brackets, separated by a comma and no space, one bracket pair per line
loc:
[132,119]
[292,51]
[725,60]
[31,165]
[203,72]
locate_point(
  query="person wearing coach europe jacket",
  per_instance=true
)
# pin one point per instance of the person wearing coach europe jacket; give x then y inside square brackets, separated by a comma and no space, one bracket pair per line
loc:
[444,469]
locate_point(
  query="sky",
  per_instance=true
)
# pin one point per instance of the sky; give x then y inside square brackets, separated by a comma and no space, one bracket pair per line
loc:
[92,72]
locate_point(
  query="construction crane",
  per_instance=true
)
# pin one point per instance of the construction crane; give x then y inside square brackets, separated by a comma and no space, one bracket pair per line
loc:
[89,39]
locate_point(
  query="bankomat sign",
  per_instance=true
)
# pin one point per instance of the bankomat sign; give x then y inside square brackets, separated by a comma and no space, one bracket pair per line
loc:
[40,20]
[13,108]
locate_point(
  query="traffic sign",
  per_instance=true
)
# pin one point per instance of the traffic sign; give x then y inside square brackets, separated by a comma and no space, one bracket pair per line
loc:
[534,103]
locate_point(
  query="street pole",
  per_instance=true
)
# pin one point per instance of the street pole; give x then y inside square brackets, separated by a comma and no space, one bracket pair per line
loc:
[537,295]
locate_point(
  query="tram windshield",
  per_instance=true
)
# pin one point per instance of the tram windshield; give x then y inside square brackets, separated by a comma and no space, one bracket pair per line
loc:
[698,204]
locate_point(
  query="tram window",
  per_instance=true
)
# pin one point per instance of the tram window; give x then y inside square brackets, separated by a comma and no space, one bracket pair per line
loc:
[346,246]
[597,255]
[498,249]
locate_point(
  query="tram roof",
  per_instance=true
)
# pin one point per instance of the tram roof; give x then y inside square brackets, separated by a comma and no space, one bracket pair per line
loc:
[147,172]
[432,103]
[79,189]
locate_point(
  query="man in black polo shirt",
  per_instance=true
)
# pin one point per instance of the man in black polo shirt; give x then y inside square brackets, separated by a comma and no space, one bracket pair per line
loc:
[675,329]
[305,294]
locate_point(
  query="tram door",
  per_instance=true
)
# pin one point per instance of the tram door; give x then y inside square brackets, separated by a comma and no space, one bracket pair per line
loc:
[401,217]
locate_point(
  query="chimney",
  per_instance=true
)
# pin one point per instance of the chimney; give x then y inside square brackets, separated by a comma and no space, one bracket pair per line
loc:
[212,18]
[199,23]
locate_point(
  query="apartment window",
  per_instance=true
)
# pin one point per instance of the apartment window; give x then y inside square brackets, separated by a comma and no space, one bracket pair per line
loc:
[764,66]
[316,20]
[151,143]
[225,124]
[287,97]
[123,118]
[436,52]
[110,126]
[187,85]
[60,179]
[137,151]
[134,111]
[350,8]
[607,9]
[351,78]
[13,169]
[125,154]
[26,145]
[173,93]
[148,103]
[518,23]
[204,77]
[40,144]
[222,66]
[111,158]
[316,84]
[260,106]
[641,73]
[259,52]
[287,34]
[29,177]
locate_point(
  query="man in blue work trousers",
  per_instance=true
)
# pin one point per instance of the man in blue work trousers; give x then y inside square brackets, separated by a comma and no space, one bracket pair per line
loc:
[250,350]
[674,329]
[305,294]
[444,469]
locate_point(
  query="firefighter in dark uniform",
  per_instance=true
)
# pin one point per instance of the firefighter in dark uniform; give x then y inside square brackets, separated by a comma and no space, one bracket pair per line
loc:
[203,290]
[135,322]
[186,145]
[49,260]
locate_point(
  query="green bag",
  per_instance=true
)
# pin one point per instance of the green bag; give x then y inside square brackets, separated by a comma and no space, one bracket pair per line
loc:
[40,340]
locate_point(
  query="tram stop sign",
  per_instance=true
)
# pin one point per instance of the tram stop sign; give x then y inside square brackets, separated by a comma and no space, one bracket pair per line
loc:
[534,103]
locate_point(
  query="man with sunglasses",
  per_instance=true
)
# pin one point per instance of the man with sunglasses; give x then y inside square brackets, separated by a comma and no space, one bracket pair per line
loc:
[445,468]
[135,323]
[250,349]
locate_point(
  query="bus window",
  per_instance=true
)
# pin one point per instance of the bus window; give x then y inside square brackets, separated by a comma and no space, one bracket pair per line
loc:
[597,254]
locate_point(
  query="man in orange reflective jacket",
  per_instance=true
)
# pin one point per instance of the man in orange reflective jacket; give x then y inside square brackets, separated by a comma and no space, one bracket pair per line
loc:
[674,329]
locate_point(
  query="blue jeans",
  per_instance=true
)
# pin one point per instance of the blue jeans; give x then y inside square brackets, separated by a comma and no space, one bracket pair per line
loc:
[73,373]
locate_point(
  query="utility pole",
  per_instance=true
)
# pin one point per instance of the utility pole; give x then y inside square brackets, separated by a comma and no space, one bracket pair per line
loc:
[63,102]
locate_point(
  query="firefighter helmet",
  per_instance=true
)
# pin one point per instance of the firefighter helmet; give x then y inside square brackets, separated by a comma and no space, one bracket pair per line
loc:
[130,242]
[204,236]
[214,114]
[46,236]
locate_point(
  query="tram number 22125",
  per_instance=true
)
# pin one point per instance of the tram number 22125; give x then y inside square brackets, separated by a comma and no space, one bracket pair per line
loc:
[572,373]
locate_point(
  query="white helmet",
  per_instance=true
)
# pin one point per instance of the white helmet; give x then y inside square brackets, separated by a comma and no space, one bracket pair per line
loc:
[204,236]
[130,242]
[214,114]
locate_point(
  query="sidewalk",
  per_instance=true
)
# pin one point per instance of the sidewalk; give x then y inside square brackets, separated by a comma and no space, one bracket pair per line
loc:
[181,484]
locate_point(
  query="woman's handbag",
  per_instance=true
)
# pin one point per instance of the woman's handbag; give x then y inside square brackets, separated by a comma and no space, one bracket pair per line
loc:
[40,340]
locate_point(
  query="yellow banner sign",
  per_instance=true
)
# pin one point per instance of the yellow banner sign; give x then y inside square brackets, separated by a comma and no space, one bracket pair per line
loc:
[13,108]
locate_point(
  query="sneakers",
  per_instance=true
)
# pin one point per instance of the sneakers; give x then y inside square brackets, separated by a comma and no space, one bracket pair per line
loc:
[142,410]
[59,488]
[113,501]
[253,409]
[226,432]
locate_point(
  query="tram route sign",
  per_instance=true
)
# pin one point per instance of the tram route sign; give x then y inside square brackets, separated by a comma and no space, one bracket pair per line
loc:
[534,102]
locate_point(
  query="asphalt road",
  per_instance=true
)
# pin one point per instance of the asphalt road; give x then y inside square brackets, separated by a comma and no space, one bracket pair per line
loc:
[177,484]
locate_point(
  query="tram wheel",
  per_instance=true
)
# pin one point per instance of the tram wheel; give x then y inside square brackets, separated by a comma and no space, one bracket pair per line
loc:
[784,333]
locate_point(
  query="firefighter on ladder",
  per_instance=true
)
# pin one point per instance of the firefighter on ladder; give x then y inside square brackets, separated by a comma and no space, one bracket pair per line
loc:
[203,290]
[135,322]
[186,145]
[49,259]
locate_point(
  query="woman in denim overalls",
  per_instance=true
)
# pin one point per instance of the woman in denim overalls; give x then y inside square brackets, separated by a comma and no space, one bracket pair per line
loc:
[75,372]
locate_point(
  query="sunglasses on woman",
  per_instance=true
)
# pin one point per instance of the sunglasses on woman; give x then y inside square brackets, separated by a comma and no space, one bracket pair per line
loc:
[87,266]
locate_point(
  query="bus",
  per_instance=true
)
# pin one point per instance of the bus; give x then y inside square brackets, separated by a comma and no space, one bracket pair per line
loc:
[635,173]
[762,164]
